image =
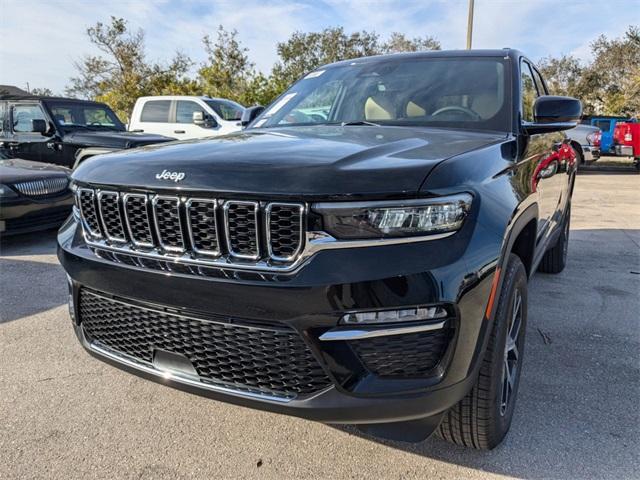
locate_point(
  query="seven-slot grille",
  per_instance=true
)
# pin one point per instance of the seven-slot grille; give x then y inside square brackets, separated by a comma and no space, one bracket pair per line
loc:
[200,228]
[267,359]
[42,188]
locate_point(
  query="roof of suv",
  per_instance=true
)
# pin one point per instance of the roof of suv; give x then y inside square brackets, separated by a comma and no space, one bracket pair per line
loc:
[498,52]
[40,97]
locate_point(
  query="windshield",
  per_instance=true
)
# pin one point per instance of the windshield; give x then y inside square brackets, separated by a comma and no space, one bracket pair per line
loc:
[70,115]
[452,92]
[226,109]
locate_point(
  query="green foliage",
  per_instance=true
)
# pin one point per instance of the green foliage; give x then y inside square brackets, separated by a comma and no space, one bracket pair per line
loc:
[43,92]
[122,73]
[610,84]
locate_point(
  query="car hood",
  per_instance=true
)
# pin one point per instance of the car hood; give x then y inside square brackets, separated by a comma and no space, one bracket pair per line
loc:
[113,139]
[17,170]
[301,161]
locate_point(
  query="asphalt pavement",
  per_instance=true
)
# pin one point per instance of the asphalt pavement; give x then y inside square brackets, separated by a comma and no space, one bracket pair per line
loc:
[65,415]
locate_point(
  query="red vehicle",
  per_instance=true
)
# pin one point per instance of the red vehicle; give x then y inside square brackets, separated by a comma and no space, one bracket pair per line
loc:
[626,138]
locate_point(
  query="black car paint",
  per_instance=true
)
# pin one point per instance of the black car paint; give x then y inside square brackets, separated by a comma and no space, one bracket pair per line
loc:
[513,210]
[31,214]
[61,145]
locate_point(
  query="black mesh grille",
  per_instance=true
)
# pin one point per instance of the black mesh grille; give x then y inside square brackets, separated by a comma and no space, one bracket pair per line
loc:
[111,218]
[411,355]
[168,223]
[138,219]
[88,210]
[272,360]
[202,222]
[242,225]
[285,230]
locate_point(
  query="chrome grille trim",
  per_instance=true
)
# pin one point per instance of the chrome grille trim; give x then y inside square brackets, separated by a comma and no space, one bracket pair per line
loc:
[42,187]
[302,212]
[256,209]
[163,245]
[113,238]
[125,200]
[90,219]
[215,252]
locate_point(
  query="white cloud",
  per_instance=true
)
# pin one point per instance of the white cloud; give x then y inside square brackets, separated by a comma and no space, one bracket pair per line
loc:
[42,38]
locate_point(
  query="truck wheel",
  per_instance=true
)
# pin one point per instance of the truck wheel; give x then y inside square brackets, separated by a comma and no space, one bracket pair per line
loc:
[482,418]
[555,259]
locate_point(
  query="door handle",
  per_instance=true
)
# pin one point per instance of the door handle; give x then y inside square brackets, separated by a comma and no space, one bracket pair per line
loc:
[138,130]
[179,131]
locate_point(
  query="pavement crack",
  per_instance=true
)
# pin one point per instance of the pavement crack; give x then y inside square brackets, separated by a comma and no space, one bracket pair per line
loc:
[545,337]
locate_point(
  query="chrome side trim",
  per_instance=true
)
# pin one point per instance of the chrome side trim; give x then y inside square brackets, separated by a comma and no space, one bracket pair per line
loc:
[174,376]
[110,237]
[154,203]
[212,253]
[340,333]
[301,211]
[227,231]
[125,198]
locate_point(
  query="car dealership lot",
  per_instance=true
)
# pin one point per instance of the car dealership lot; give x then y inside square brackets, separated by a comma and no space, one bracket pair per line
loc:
[66,415]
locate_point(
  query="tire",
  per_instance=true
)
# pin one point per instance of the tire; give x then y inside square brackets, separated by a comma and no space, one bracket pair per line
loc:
[555,259]
[482,418]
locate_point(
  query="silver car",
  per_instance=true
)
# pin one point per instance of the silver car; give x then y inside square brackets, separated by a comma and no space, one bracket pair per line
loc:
[582,141]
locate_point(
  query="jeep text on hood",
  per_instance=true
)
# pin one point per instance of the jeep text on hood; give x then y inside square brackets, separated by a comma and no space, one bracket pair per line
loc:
[358,255]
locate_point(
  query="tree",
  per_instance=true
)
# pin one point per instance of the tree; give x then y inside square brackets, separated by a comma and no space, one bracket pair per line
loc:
[304,52]
[228,72]
[122,73]
[562,74]
[43,92]
[398,42]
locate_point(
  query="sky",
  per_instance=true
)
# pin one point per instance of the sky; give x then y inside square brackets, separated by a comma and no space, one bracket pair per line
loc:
[43,38]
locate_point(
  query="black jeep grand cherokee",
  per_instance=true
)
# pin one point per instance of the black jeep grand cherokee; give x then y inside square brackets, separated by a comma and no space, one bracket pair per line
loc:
[359,255]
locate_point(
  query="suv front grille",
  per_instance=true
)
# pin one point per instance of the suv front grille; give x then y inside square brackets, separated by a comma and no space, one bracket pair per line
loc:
[269,360]
[46,187]
[224,232]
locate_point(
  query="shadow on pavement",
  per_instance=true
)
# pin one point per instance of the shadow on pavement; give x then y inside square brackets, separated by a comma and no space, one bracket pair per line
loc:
[29,286]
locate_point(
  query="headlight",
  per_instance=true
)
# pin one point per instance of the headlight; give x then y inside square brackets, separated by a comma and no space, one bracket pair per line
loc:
[6,192]
[397,218]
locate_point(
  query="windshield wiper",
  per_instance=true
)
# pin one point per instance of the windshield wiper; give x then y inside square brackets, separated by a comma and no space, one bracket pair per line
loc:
[359,122]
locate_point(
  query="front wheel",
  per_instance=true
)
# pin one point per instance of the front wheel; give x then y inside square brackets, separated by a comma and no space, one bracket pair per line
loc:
[482,418]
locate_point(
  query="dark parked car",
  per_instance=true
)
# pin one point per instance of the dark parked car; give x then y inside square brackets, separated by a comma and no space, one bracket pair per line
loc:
[33,196]
[359,254]
[64,131]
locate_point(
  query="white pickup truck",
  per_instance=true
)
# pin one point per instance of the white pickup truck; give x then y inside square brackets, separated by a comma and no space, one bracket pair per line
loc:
[184,117]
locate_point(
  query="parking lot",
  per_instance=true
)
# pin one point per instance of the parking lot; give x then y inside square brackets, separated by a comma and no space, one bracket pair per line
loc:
[66,415]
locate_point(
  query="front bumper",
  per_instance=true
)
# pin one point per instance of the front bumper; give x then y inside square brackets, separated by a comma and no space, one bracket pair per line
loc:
[310,301]
[24,215]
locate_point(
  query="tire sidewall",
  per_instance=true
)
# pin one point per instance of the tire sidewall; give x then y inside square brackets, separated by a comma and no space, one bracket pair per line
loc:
[515,280]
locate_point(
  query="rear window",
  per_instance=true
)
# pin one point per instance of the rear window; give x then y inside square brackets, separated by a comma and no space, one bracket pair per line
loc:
[603,125]
[156,111]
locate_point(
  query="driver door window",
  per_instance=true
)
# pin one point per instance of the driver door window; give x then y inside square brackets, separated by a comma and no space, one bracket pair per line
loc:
[23,115]
[529,93]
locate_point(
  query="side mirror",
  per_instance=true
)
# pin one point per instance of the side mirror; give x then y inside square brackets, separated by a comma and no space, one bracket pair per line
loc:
[198,118]
[553,114]
[250,114]
[39,126]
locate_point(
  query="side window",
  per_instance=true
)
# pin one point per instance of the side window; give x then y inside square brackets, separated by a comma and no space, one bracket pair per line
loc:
[3,109]
[185,109]
[156,111]
[603,125]
[316,107]
[539,82]
[529,92]
[23,115]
